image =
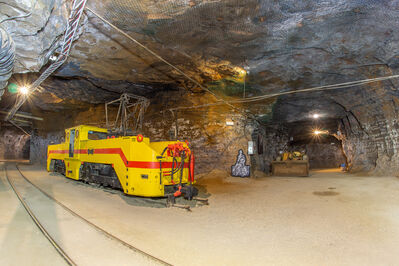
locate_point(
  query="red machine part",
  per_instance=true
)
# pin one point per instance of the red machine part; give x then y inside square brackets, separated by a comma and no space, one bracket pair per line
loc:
[178,192]
[192,163]
[140,138]
[176,149]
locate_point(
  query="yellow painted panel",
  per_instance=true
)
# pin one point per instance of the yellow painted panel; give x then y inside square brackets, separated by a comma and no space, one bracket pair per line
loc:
[135,163]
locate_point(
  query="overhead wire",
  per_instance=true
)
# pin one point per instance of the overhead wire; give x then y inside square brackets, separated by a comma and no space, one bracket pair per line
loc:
[161,58]
[230,103]
[16,17]
[319,88]
[27,14]
[221,101]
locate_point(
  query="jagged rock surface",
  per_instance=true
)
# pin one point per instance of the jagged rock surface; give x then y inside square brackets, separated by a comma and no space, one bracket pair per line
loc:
[286,45]
[37,35]
[14,144]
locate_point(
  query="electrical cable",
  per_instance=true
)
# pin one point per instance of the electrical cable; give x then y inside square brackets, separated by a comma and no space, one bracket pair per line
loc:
[231,102]
[20,16]
[319,88]
[160,58]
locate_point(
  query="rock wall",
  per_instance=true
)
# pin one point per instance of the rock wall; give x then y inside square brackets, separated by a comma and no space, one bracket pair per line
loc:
[369,132]
[214,143]
[269,140]
[14,144]
[39,143]
[37,32]
[323,155]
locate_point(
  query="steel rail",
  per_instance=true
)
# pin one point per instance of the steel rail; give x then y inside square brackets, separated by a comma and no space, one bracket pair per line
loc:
[111,236]
[38,224]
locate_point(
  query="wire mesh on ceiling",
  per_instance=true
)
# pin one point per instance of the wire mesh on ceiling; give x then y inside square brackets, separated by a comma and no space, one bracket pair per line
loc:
[183,25]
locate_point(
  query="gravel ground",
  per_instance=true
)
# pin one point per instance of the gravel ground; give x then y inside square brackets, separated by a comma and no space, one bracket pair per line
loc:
[329,218]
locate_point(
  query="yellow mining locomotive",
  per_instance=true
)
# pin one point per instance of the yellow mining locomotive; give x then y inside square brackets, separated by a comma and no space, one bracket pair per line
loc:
[133,164]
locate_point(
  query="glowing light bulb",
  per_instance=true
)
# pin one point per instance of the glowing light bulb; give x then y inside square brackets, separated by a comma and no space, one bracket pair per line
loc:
[240,71]
[53,58]
[317,132]
[315,116]
[24,90]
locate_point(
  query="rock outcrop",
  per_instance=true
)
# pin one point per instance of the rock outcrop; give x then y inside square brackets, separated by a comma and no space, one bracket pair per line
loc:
[236,49]
[14,144]
[37,27]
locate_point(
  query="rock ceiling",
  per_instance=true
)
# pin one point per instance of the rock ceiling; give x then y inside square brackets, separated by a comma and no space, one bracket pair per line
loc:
[284,45]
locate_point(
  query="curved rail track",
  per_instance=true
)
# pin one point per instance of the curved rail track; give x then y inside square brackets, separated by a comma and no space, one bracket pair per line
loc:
[56,246]
[38,224]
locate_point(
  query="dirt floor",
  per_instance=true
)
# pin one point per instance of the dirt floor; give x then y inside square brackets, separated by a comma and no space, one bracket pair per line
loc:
[329,218]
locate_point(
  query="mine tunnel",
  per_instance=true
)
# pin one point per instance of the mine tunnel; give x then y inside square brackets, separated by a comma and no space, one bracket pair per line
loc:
[196,132]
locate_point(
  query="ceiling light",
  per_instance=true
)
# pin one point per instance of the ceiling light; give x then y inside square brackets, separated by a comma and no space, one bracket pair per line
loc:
[229,122]
[319,132]
[240,71]
[315,116]
[23,90]
[53,58]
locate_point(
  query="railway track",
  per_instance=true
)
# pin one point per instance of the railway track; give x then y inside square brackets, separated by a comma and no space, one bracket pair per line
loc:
[56,245]
[63,254]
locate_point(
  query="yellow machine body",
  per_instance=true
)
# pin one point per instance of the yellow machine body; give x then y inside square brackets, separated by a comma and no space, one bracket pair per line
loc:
[291,164]
[138,163]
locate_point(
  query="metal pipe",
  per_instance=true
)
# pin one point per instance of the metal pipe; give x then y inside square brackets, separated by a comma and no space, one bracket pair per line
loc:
[29,116]
[21,121]
[20,128]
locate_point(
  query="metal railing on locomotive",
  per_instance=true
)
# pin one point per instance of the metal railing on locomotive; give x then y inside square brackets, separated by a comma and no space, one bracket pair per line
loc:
[130,116]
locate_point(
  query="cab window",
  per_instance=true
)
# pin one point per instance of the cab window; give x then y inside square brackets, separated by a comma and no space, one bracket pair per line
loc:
[96,135]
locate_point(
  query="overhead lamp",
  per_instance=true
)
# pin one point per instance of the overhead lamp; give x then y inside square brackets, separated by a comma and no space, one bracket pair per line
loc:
[23,90]
[315,116]
[53,58]
[319,132]
[229,122]
[240,71]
